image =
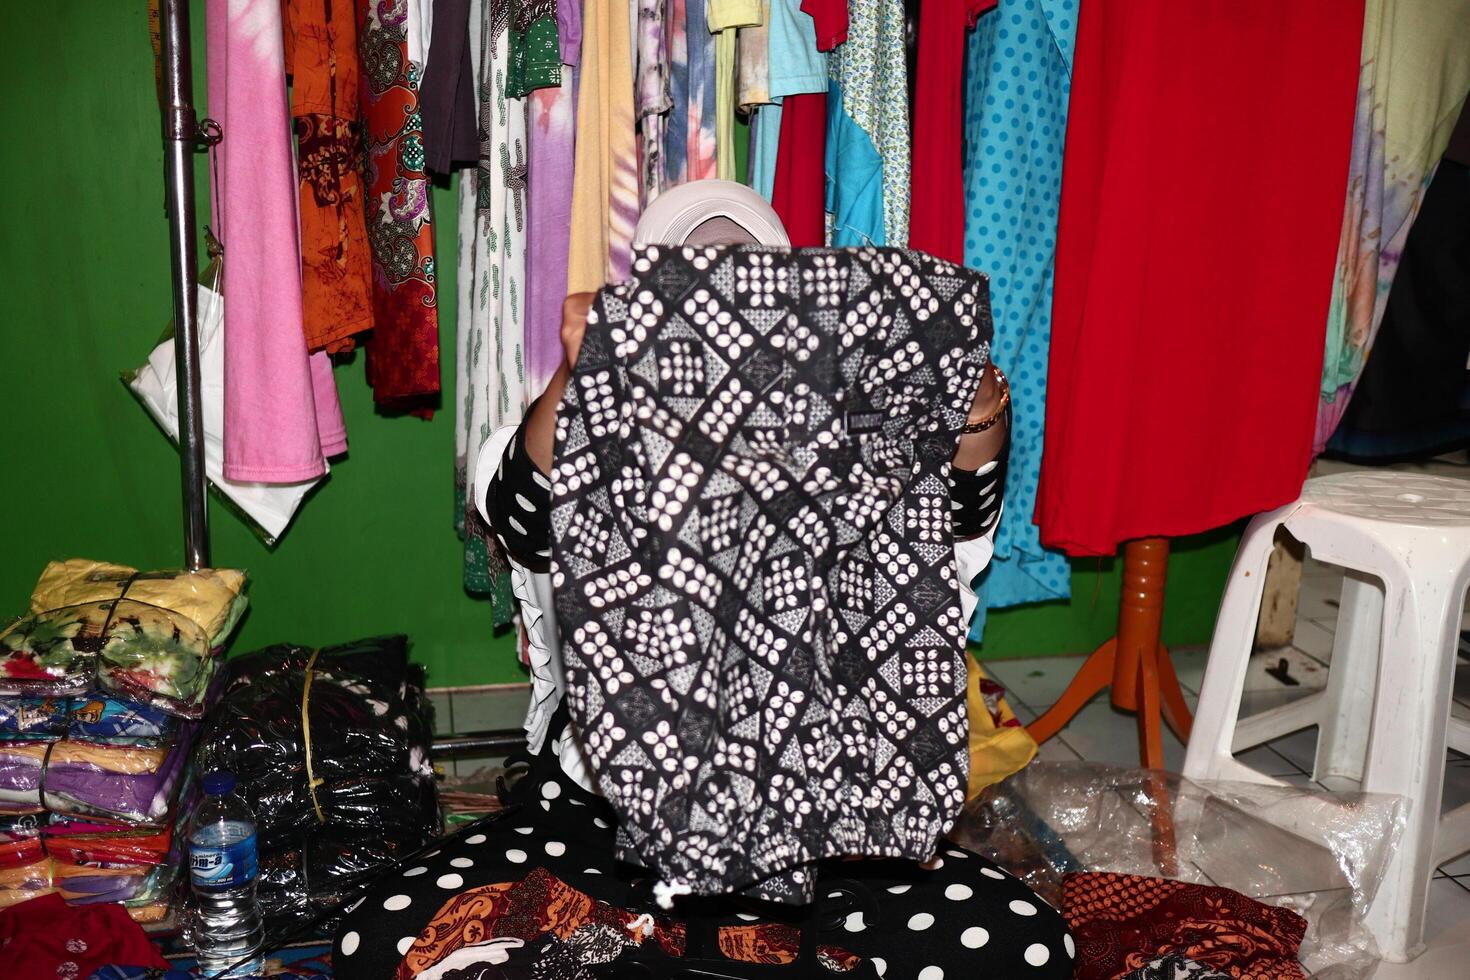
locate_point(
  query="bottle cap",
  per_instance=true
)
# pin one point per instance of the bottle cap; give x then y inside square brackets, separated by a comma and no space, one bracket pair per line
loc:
[220,783]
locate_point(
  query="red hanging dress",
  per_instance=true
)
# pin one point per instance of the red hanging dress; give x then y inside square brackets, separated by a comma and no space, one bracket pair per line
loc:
[1202,196]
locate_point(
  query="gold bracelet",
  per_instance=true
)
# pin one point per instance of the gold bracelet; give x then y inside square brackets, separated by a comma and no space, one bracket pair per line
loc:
[980,425]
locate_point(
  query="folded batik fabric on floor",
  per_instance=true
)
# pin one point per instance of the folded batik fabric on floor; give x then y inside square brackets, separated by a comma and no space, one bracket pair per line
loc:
[754,562]
[149,637]
[361,798]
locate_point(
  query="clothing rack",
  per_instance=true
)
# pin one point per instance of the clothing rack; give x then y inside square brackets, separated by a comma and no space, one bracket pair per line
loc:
[182,137]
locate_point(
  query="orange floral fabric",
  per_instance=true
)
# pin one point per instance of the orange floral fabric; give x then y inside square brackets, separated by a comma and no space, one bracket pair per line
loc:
[336,260]
[1121,922]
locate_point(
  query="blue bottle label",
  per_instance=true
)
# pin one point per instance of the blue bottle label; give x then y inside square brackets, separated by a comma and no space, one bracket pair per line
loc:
[221,868]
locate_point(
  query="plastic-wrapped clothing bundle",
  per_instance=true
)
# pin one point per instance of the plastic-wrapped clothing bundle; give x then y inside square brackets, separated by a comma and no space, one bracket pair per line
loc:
[118,782]
[150,637]
[90,862]
[108,720]
[367,796]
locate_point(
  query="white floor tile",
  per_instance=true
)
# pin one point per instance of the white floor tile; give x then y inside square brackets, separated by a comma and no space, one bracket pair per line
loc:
[490,709]
[1036,682]
[1267,762]
[1189,664]
[1307,670]
[1447,934]
[1055,750]
[1100,733]
[1314,640]
[1318,599]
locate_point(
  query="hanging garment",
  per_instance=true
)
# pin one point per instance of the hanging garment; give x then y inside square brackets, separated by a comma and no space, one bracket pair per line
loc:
[336,263]
[1415,74]
[269,506]
[551,128]
[726,17]
[794,66]
[605,195]
[535,49]
[751,456]
[1187,335]
[403,351]
[868,128]
[830,17]
[752,62]
[1414,396]
[490,328]
[281,411]
[447,97]
[690,142]
[653,95]
[936,225]
[1015,129]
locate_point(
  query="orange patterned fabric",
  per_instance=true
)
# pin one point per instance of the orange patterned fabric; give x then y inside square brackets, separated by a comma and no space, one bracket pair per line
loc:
[336,261]
[1121,922]
[542,903]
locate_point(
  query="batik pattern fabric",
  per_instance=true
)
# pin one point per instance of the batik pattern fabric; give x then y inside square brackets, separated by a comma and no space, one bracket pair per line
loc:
[654,103]
[535,48]
[492,267]
[690,148]
[403,351]
[1122,923]
[1414,75]
[869,192]
[1015,131]
[336,261]
[97,718]
[1175,967]
[753,456]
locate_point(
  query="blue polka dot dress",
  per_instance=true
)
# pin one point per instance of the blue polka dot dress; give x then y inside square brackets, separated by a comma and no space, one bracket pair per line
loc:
[1018,78]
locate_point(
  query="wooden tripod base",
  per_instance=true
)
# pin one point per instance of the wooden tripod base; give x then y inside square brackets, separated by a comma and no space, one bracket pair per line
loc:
[1134,662]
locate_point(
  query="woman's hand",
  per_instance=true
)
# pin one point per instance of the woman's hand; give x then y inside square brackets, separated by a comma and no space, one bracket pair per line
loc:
[541,424]
[574,325]
[975,449]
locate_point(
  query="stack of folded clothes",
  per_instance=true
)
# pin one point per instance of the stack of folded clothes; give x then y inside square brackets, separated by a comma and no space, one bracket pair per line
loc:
[331,749]
[101,686]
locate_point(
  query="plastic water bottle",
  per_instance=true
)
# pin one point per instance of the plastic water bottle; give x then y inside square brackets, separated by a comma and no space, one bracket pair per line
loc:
[222,869]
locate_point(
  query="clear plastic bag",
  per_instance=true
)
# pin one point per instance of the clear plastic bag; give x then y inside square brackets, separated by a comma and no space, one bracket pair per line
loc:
[1320,854]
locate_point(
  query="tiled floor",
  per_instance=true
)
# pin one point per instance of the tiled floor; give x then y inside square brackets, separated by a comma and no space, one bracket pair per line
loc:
[1099,733]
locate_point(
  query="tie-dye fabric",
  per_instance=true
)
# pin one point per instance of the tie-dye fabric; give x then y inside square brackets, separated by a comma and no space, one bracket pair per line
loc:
[490,335]
[1415,73]
[653,95]
[690,150]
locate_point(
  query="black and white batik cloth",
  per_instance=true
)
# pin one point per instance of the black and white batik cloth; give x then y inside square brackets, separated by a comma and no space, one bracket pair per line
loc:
[754,562]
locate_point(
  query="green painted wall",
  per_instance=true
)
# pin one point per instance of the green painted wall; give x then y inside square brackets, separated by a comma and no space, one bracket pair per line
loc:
[86,293]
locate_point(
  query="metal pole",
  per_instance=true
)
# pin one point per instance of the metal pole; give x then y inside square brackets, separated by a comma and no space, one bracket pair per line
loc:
[180,137]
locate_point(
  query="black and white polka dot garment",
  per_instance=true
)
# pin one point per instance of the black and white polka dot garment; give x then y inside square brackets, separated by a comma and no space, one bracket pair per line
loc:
[957,916]
[753,557]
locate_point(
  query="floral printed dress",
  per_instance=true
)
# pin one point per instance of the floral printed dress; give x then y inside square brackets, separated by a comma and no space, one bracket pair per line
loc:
[403,352]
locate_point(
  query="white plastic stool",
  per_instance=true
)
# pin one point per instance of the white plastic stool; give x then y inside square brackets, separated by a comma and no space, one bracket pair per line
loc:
[1384,717]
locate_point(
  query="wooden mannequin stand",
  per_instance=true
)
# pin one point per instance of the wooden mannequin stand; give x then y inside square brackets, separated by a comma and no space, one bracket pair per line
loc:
[1134,662]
